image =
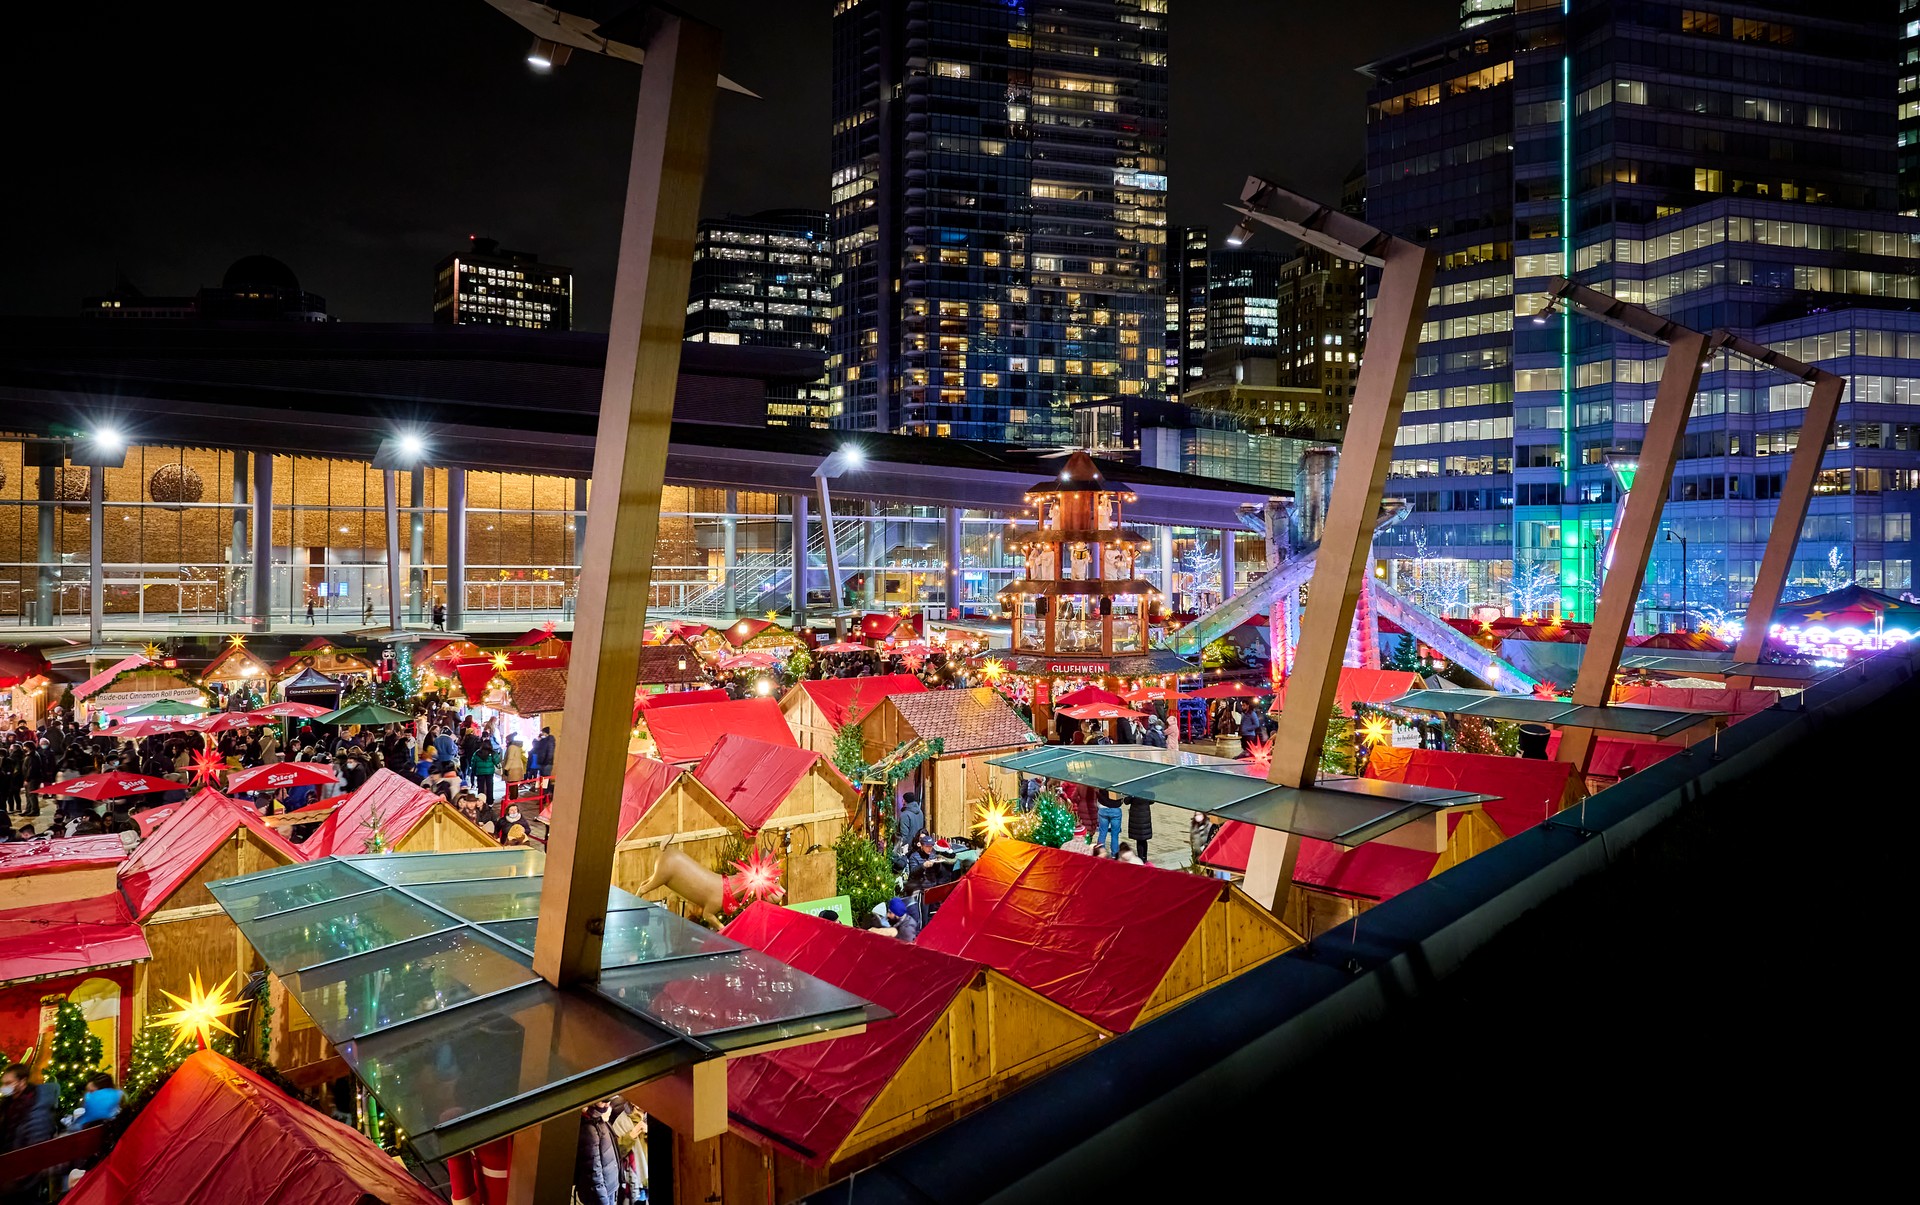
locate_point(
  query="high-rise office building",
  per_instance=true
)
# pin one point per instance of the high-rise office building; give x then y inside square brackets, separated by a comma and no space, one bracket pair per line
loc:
[1479,12]
[1909,106]
[1318,341]
[1725,164]
[1243,301]
[1186,323]
[999,213]
[765,280]
[488,285]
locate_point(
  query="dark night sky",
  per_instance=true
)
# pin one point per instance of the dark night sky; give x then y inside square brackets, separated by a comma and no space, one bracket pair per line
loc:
[360,141]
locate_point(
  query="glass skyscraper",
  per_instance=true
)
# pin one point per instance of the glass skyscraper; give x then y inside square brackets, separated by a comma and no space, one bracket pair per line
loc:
[1726,165]
[998,213]
[764,280]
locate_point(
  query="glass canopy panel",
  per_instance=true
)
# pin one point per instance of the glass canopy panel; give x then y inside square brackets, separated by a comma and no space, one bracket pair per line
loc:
[294,887]
[486,900]
[461,1076]
[291,941]
[736,1000]
[1336,816]
[1103,772]
[402,870]
[1200,788]
[355,996]
[1033,761]
[650,934]
[1643,721]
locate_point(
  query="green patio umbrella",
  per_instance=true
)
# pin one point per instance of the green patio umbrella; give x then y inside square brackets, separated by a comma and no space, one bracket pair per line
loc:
[364,714]
[162,707]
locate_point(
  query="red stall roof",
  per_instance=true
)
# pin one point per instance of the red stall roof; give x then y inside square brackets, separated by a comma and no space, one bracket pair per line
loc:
[1093,936]
[810,1098]
[1738,703]
[1530,790]
[180,846]
[401,804]
[533,636]
[94,685]
[1372,871]
[837,697]
[753,777]
[68,938]
[647,701]
[1366,686]
[217,1132]
[1611,756]
[60,853]
[687,734]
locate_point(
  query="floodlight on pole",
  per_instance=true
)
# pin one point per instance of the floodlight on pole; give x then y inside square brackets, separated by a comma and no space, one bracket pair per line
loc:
[547,54]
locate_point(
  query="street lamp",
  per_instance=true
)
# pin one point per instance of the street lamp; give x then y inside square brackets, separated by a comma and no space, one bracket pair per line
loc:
[846,457]
[1672,536]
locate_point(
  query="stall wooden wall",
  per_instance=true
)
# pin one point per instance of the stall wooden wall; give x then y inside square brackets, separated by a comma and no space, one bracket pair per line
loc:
[190,933]
[443,830]
[993,1038]
[57,886]
[1235,934]
[809,726]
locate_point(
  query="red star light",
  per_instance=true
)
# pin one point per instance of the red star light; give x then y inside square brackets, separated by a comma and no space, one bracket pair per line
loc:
[759,877]
[207,766]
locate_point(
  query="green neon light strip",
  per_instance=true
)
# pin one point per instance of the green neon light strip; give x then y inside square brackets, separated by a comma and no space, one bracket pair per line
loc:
[1570,526]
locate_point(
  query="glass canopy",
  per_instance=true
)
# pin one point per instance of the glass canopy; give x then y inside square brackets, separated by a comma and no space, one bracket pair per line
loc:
[1614,717]
[1724,667]
[1345,811]
[418,968]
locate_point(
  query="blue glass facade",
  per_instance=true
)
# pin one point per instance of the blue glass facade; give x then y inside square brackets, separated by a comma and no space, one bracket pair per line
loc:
[1713,162]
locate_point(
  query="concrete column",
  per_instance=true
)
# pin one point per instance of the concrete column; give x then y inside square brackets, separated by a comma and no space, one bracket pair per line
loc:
[237,549]
[1226,565]
[456,549]
[47,576]
[872,548]
[390,498]
[96,562]
[263,543]
[799,531]
[579,530]
[730,552]
[417,548]
[955,562]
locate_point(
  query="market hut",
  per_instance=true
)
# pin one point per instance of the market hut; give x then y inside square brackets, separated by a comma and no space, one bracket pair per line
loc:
[670,666]
[816,710]
[407,819]
[743,786]
[1115,943]
[1614,758]
[66,930]
[309,685]
[1333,883]
[971,725]
[217,1132]
[685,735]
[133,681]
[320,654]
[744,634]
[210,837]
[961,1035]
[235,666]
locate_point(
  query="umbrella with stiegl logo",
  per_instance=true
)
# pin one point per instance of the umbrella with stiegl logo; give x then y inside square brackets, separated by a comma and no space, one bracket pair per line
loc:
[279,776]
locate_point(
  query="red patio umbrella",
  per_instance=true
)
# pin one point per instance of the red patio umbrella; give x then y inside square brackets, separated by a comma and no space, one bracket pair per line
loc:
[1102,711]
[278,775]
[291,711]
[843,646]
[225,721]
[139,730]
[1228,690]
[148,819]
[1088,694]
[1141,694]
[752,659]
[97,787]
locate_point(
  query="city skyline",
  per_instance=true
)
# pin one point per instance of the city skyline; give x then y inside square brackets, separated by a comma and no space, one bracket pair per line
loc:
[539,160]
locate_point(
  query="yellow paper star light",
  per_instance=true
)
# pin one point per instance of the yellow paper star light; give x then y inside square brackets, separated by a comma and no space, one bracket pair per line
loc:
[996,819]
[236,641]
[500,663]
[201,1012]
[1377,730]
[152,652]
[993,669]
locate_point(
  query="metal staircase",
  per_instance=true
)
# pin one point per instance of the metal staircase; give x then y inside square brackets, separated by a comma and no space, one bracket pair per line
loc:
[1448,641]
[758,573]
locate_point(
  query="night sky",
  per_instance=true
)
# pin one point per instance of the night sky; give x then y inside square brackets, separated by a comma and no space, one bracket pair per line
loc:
[360,142]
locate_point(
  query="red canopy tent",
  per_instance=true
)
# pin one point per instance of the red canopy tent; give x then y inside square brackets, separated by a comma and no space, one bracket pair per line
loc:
[809,1099]
[65,938]
[1612,756]
[403,809]
[1737,703]
[216,1132]
[98,787]
[753,777]
[1094,936]
[1530,790]
[835,699]
[1088,694]
[688,734]
[180,846]
[279,775]
[533,636]
[1374,686]
[1228,690]
[17,664]
[1372,871]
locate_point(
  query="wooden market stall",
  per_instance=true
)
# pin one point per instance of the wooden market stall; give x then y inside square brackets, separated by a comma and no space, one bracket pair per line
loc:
[133,681]
[961,1035]
[1115,943]
[236,666]
[685,735]
[743,786]
[1332,883]
[972,725]
[321,655]
[410,819]
[816,710]
[66,930]
[208,838]
[671,666]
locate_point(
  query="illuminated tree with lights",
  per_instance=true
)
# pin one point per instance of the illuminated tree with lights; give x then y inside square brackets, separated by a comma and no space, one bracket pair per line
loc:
[1336,752]
[76,1052]
[848,755]
[862,871]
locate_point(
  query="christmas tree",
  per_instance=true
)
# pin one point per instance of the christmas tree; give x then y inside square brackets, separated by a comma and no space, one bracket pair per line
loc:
[848,757]
[76,1052]
[151,1061]
[1053,821]
[1471,735]
[1336,753]
[1405,658]
[863,872]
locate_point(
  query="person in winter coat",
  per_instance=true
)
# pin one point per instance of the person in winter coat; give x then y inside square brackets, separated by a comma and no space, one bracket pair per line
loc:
[32,1108]
[516,762]
[542,762]
[1140,823]
[596,1167]
[482,766]
[1252,727]
[913,819]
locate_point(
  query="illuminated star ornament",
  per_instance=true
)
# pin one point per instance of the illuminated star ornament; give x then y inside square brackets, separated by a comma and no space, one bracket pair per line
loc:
[996,819]
[759,877]
[236,641]
[152,651]
[548,627]
[500,663]
[207,765]
[1260,750]
[201,1012]
[993,668]
[1377,730]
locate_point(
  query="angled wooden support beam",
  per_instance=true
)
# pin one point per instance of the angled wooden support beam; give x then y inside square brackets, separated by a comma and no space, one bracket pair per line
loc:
[1639,525]
[1341,569]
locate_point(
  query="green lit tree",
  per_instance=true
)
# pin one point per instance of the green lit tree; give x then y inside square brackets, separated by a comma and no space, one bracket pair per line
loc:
[863,872]
[1336,752]
[1053,821]
[848,756]
[154,1057]
[1472,735]
[1405,657]
[76,1052]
